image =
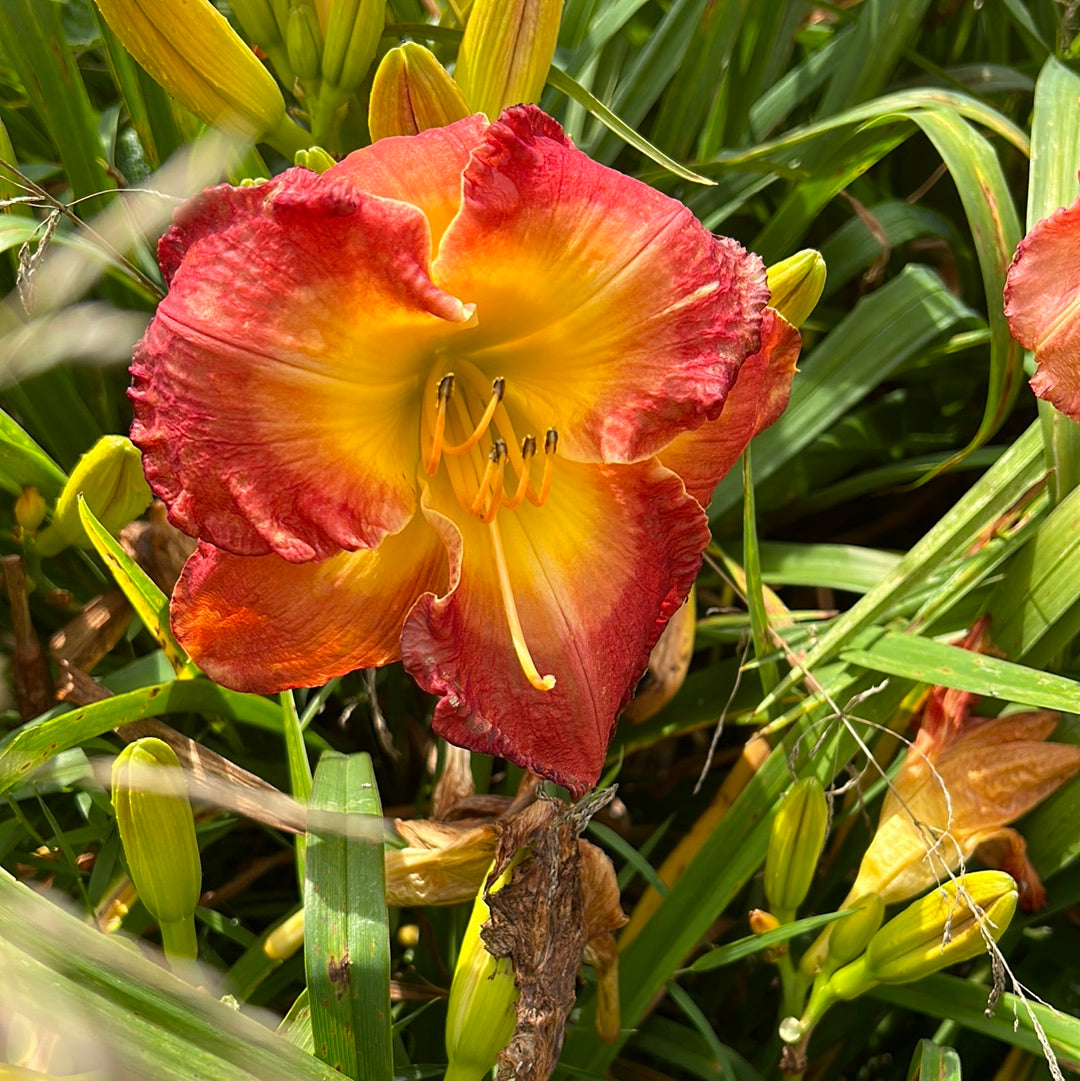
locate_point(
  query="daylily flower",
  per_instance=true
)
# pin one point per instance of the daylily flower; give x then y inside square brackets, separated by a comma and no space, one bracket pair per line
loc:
[1042,303]
[457,400]
[963,780]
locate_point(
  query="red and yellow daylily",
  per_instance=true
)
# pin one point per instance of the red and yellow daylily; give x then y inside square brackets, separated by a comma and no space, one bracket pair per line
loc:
[1042,303]
[438,404]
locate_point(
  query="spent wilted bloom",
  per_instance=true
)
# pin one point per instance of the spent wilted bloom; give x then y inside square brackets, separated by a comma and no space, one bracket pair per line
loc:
[458,400]
[1042,303]
[963,780]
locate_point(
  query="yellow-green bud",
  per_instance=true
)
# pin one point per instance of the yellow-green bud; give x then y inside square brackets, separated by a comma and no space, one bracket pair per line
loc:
[110,477]
[314,158]
[256,17]
[191,50]
[950,924]
[796,284]
[157,829]
[412,92]
[795,840]
[353,29]
[481,1014]
[30,509]
[506,52]
[851,935]
[303,40]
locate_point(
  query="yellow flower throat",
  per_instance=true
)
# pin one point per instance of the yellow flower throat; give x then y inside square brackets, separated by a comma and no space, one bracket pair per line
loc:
[461,405]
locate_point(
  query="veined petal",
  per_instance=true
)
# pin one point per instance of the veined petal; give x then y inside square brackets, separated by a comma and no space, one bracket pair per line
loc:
[1042,304]
[702,457]
[423,170]
[261,624]
[276,393]
[594,575]
[612,312]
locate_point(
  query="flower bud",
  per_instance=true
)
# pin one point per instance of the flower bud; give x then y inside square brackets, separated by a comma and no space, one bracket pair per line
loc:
[762,922]
[506,52]
[256,18]
[29,509]
[110,477]
[303,40]
[191,50]
[481,1014]
[946,926]
[796,284]
[851,935]
[798,832]
[411,93]
[157,829]
[314,158]
[353,28]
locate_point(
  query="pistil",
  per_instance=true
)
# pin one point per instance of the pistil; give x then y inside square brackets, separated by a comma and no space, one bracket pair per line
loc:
[517,636]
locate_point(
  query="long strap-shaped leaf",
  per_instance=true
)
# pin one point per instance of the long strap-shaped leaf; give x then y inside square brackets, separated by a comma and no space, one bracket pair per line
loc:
[347,940]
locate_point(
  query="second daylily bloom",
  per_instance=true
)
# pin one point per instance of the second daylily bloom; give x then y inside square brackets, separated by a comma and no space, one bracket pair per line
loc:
[1042,302]
[439,404]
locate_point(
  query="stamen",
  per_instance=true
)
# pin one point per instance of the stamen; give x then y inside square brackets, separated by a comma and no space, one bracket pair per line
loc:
[443,394]
[528,449]
[498,388]
[551,444]
[491,481]
[517,637]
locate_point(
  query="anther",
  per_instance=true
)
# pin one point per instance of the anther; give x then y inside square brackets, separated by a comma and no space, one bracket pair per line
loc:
[443,394]
[491,481]
[551,444]
[498,388]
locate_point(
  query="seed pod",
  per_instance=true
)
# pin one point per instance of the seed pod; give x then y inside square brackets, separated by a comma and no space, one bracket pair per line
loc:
[796,284]
[411,93]
[798,832]
[506,52]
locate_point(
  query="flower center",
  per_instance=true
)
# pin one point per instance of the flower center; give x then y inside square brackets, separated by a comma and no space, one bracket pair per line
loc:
[465,426]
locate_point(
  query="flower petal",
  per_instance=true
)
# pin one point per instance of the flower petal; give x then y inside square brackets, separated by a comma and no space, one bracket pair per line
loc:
[274,413]
[1042,303]
[261,624]
[611,311]
[702,457]
[595,573]
[424,170]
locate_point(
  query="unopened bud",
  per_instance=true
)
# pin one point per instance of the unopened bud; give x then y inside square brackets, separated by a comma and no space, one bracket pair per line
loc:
[506,52]
[411,93]
[795,841]
[110,478]
[481,1014]
[29,509]
[303,39]
[762,922]
[796,284]
[190,49]
[353,28]
[851,935]
[314,158]
[157,829]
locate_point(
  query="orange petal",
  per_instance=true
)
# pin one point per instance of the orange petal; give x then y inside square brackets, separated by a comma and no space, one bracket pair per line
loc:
[1007,851]
[274,410]
[424,170]
[261,624]
[1042,303]
[612,313]
[594,573]
[703,456]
